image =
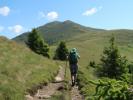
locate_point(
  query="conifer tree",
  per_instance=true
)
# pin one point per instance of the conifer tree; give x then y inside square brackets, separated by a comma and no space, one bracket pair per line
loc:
[37,44]
[113,64]
[61,51]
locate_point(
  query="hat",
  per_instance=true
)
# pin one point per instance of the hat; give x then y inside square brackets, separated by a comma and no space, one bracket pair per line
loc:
[74,50]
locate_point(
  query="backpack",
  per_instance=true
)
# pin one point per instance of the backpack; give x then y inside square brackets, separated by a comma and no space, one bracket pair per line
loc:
[73,58]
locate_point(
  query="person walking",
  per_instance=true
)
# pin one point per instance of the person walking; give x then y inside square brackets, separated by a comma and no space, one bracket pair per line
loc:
[73,62]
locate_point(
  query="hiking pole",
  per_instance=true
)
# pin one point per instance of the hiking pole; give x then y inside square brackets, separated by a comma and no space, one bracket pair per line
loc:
[66,66]
[65,69]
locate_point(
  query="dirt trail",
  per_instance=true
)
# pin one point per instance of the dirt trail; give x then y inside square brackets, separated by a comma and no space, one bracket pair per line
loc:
[47,91]
[75,94]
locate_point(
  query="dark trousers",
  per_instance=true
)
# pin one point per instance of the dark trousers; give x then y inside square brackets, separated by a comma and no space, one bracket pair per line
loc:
[73,69]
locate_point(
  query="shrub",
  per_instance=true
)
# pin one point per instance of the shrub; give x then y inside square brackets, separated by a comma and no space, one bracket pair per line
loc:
[113,64]
[61,51]
[111,89]
[37,44]
[92,64]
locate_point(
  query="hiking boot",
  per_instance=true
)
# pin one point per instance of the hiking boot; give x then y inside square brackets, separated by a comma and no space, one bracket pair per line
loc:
[76,83]
[73,83]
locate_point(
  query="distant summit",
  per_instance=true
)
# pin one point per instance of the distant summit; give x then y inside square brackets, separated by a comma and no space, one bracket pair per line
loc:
[56,31]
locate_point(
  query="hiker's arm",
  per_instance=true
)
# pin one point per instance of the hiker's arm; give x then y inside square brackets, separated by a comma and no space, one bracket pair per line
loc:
[78,56]
[67,57]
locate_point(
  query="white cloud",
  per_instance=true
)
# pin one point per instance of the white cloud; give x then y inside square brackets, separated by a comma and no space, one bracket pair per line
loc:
[4,11]
[16,29]
[50,15]
[92,11]
[1,28]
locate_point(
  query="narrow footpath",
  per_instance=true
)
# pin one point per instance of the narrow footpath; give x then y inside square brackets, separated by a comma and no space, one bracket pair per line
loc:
[49,90]
[75,94]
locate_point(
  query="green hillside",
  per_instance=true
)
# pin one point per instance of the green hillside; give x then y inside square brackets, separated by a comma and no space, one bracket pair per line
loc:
[22,70]
[90,43]
[91,48]
[55,31]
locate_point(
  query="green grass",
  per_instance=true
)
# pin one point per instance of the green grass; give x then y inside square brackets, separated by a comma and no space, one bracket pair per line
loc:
[22,70]
[56,31]
[90,43]
[90,48]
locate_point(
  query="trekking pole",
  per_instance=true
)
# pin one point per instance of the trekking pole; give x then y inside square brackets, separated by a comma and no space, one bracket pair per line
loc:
[65,69]
[66,66]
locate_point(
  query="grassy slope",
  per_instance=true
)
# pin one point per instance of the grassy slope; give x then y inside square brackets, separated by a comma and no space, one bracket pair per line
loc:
[91,48]
[21,69]
[90,44]
[55,31]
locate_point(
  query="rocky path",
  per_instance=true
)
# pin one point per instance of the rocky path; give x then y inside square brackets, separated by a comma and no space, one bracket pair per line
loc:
[75,94]
[47,91]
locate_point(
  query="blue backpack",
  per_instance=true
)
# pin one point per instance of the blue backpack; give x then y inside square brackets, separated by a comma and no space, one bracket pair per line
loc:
[73,57]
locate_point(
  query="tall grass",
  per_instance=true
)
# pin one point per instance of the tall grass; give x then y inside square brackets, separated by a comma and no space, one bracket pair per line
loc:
[22,70]
[90,48]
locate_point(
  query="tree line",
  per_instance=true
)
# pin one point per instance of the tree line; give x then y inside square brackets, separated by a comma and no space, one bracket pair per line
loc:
[37,44]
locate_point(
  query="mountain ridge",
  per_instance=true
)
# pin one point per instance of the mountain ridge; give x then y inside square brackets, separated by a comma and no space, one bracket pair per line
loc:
[56,31]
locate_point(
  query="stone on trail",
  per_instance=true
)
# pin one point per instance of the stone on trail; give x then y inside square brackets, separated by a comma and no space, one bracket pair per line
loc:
[58,79]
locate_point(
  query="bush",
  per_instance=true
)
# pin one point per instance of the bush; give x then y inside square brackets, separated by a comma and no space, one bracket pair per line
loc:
[92,64]
[111,89]
[37,44]
[61,51]
[130,66]
[113,65]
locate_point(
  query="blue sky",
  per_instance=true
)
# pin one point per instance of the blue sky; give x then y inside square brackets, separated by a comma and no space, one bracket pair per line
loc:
[18,16]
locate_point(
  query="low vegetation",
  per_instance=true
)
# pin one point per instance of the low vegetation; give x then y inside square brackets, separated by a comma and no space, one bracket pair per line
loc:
[111,89]
[22,71]
[116,79]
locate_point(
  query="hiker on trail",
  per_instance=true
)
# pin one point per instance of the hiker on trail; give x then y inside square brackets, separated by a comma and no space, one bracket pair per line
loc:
[73,62]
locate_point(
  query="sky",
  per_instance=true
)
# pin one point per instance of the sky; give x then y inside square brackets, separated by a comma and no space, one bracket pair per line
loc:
[19,16]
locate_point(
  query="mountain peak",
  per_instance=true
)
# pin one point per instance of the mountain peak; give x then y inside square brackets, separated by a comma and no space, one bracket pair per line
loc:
[60,22]
[57,30]
[68,21]
[53,22]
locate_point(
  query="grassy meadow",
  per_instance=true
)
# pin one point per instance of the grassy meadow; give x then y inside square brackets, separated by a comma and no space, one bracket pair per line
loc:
[90,48]
[22,71]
